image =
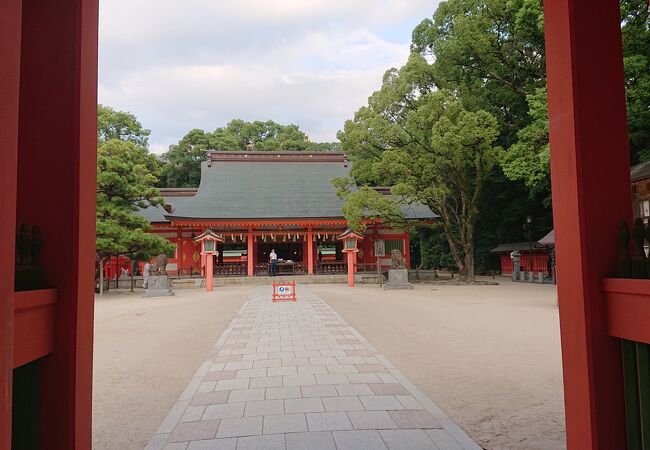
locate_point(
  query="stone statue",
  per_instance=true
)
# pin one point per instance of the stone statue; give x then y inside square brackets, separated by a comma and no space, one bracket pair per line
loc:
[157,284]
[397,259]
[161,263]
[398,276]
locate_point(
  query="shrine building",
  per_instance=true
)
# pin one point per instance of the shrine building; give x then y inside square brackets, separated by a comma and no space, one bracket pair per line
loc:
[260,201]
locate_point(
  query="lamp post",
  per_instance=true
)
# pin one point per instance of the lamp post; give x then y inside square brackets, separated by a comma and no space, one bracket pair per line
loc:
[209,240]
[350,247]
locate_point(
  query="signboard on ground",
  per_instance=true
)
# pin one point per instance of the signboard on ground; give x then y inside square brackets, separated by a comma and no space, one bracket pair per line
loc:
[284,291]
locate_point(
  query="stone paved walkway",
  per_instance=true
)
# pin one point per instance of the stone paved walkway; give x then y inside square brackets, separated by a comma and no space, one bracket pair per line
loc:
[297,376]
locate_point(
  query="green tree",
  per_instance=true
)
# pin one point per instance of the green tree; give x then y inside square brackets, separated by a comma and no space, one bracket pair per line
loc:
[635,28]
[126,178]
[120,125]
[428,147]
[491,52]
[183,160]
[182,166]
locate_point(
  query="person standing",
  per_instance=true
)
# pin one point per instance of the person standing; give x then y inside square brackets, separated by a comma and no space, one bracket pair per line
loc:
[273,260]
[145,275]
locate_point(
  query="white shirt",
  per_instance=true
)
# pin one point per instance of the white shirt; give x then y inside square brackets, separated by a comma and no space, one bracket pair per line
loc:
[273,256]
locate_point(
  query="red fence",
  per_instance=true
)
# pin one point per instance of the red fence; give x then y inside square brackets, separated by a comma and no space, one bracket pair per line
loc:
[540,262]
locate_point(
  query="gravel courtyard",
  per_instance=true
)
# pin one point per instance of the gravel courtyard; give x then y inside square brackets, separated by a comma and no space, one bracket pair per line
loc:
[489,356]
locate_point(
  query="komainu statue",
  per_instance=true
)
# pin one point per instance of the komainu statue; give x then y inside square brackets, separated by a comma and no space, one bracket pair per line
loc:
[161,263]
[397,259]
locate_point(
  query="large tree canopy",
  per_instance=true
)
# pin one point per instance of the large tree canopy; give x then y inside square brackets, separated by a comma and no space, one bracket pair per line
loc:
[120,125]
[183,161]
[126,177]
[428,147]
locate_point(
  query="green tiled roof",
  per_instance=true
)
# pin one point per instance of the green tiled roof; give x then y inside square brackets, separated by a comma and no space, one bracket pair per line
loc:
[264,190]
[257,186]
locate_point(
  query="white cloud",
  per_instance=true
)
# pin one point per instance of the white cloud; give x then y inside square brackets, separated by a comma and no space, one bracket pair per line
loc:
[307,62]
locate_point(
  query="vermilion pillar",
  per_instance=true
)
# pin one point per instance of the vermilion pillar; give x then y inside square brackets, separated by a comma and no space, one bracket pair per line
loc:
[208,271]
[590,176]
[10,37]
[310,251]
[352,256]
[249,253]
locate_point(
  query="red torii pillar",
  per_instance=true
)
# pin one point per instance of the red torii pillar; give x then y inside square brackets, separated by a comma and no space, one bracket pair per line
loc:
[249,254]
[310,251]
[590,176]
[48,50]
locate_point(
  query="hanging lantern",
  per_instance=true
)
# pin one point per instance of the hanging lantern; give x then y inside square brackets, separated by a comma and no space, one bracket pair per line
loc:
[232,236]
[241,237]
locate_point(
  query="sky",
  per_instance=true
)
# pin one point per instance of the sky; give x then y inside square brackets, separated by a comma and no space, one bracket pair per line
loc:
[184,64]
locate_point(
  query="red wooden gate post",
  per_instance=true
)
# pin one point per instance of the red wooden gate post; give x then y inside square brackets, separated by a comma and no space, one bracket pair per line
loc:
[590,176]
[10,36]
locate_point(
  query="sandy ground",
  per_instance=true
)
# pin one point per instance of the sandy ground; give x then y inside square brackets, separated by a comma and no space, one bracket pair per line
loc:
[489,356]
[146,351]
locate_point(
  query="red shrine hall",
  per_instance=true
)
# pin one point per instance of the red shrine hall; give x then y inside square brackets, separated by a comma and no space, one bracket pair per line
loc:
[263,201]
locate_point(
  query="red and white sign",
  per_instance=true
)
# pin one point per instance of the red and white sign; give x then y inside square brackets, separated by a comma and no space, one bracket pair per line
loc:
[284,291]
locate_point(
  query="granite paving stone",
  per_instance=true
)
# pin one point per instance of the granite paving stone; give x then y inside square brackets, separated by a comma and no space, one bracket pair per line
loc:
[407,440]
[213,444]
[353,389]
[356,440]
[285,423]
[312,440]
[283,392]
[380,402]
[350,403]
[209,398]
[371,420]
[191,431]
[245,395]
[264,408]
[319,390]
[247,426]
[263,382]
[223,411]
[265,442]
[303,405]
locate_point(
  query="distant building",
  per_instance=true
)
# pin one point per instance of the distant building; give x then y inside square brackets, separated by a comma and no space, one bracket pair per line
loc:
[260,201]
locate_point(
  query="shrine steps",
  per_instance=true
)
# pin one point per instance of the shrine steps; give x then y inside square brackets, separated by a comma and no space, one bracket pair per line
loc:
[180,283]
